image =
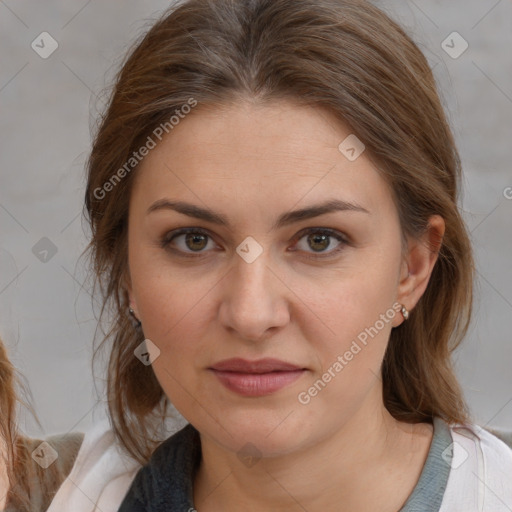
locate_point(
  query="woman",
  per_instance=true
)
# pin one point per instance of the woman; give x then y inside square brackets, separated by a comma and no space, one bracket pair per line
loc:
[272,194]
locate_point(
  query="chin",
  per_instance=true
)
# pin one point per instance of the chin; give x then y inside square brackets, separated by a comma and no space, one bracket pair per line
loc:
[269,435]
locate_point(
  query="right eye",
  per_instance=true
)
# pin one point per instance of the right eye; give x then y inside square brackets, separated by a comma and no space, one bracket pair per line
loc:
[190,242]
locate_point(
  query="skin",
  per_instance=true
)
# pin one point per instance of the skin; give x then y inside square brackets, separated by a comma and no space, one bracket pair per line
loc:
[252,163]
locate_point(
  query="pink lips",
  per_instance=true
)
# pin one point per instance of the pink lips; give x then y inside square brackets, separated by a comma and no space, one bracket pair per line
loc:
[256,378]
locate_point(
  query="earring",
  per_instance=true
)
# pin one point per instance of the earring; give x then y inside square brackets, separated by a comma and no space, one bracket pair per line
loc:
[405,313]
[132,313]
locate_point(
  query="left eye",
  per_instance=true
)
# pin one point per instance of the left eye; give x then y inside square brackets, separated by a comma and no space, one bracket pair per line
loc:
[320,240]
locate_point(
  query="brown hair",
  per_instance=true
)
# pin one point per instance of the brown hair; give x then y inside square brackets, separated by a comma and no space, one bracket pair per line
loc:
[24,475]
[8,402]
[343,55]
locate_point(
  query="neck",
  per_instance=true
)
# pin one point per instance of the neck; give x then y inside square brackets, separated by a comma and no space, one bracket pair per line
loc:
[372,460]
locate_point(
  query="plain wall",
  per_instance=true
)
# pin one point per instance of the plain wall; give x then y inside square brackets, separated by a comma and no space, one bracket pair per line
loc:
[46,317]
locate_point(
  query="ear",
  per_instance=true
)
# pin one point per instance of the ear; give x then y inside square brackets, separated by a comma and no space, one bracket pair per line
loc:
[418,263]
[127,286]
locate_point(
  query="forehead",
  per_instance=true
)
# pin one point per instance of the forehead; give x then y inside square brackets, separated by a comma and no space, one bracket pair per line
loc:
[265,156]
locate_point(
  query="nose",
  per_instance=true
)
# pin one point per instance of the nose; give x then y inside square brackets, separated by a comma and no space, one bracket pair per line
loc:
[255,302]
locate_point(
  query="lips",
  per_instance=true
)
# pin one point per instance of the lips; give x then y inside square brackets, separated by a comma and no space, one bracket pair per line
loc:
[256,378]
[260,366]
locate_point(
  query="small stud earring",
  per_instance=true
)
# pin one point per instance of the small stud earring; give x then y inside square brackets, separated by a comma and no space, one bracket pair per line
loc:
[132,313]
[405,313]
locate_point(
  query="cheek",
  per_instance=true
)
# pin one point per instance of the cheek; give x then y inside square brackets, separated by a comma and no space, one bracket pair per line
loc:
[353,324]
[177,317]
[174,310]
[356,301]
[350,357]
[166,296]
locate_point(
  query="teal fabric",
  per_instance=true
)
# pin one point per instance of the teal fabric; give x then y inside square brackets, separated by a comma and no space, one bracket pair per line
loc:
[166,483]
[429,491]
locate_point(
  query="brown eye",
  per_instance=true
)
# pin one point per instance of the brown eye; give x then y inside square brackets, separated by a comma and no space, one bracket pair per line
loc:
[187,241]
[196,242]
[320,241]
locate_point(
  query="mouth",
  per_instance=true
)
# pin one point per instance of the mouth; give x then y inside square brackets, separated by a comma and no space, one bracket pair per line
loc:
[256,378]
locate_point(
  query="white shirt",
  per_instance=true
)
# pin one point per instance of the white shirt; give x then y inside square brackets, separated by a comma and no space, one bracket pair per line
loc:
[100,477]
[481,473]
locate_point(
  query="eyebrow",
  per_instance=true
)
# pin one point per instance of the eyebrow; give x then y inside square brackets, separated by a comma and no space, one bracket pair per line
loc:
[285,219]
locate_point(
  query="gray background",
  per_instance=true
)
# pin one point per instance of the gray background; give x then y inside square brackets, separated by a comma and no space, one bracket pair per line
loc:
[47,106]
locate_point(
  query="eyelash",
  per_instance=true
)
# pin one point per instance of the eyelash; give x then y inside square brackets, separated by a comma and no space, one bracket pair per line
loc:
[169,237]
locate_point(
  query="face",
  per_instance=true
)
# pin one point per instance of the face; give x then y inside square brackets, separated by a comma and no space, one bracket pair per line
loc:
[255,281]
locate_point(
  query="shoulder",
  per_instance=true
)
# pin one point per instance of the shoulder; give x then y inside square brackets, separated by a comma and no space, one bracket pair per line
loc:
[58,451]
[166,481]
[503,435]
[100,476]
[177,447]
[481,471]
[176,454]
[46,463]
